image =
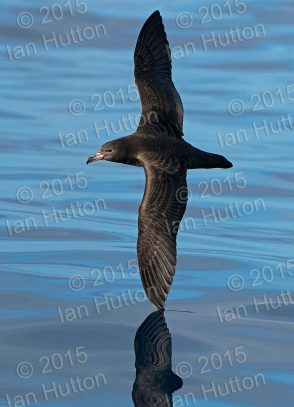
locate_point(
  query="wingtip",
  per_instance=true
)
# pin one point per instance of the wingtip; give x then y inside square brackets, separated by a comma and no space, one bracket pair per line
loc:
[158,303]
[155,13]
[157,298]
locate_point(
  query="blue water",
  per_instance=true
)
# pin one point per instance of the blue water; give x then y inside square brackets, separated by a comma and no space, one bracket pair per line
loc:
[68,231]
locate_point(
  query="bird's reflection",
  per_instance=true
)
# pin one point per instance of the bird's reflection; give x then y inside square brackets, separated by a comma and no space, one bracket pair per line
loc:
[155,382]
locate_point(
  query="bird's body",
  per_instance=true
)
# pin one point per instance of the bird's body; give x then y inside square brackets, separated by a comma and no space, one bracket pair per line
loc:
[145,146]
[158,146]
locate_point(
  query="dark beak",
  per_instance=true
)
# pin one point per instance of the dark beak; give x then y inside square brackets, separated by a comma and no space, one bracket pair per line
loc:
[96,157]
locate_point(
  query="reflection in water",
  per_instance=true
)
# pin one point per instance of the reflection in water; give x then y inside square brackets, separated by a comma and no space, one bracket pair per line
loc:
[155,382]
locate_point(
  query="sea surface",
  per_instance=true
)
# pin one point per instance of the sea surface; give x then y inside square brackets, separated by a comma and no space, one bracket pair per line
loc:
[70,292]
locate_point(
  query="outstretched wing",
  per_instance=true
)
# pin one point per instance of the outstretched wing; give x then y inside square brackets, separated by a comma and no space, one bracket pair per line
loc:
[161,103]
[153,344]
[163,206]
[155,382]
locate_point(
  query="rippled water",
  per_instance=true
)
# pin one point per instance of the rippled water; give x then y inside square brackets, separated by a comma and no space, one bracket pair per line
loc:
[68,231]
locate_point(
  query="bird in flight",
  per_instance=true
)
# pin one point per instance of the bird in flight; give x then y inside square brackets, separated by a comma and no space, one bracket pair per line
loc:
[158,146]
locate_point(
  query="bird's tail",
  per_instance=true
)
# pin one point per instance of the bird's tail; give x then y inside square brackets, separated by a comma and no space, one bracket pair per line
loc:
[201,159]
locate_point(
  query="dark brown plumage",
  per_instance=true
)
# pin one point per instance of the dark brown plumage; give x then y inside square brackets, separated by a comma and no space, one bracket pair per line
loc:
[153,79]
[159,147]
[155,381]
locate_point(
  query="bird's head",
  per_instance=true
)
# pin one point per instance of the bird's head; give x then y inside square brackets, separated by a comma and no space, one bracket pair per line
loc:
[107,152]
[115,151]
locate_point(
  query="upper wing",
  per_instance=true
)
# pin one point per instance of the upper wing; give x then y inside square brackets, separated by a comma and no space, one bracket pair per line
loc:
[161,103]
[160,214]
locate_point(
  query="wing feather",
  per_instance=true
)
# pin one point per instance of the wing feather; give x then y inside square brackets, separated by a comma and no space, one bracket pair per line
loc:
[161,104]
[161,211]
[155,381]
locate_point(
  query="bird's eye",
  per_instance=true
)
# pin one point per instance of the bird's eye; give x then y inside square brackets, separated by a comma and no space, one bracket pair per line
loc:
[109,150]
